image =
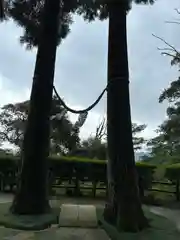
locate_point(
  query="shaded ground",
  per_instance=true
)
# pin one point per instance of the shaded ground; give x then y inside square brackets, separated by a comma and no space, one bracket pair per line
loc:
[25,222]
[58,200]
[172,215]
[161,228]
[54,234]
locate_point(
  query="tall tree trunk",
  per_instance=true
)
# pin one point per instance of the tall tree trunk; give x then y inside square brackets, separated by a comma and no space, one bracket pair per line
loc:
[32,194]
[125,207]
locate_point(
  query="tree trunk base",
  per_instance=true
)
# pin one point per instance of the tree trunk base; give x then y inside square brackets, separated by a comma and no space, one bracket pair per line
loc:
[131,220]
[109,214]
[29,206]
[129,225]
[110,211]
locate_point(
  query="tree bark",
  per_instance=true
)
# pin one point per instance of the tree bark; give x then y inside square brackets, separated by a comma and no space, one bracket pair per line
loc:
[125,205]
[32,193]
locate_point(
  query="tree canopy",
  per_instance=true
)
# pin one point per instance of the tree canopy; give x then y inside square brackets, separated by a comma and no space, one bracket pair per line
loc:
[64,135]
[28,14]
[167,142]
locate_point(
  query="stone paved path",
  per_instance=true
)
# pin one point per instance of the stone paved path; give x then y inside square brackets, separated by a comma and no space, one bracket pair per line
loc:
[85,215]
[63,233]
[5,198]
[171,214]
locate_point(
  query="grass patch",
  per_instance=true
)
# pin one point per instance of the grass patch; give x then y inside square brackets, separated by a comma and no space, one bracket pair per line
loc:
[27,222]
[161,228]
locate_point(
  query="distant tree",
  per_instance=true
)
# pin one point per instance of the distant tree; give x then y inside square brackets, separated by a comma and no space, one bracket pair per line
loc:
[172,93]
[95,148]
[6,152]
[97,145]
[13,119]
[137,140]
[166,144]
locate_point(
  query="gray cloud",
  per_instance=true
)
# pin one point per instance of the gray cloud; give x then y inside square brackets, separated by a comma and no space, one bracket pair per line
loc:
[81,66]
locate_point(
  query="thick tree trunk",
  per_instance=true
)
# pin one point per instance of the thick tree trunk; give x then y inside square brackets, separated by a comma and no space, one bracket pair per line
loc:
[32,194]
[126,204]
[110,212]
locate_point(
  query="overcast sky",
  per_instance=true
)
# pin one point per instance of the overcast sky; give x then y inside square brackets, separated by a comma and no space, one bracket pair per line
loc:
[82,59]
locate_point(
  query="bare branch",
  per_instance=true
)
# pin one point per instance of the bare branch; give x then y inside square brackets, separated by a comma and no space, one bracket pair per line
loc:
[172,22]
[165,49]
[170,55]
[177,10]
[4,136]
[101,129]
[172,47]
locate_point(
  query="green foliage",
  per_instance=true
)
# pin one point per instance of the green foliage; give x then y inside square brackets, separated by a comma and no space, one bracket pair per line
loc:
[162,159]
[13,119]
[173,171]
[95,169]
[172,93]
[77,159]
[28,14]
[165,145]
[78,167]
[169,131]
[159,172]
[145,172]
[136,130]
[95,148]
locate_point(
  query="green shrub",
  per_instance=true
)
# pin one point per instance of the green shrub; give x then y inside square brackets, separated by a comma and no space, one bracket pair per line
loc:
[159,173]
[173,171]
[79,168]
[8,163]
[145,172]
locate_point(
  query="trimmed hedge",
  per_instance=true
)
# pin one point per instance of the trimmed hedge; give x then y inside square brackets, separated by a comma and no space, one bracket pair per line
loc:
[173,171]
[173,174]
[145,172]
[74,169]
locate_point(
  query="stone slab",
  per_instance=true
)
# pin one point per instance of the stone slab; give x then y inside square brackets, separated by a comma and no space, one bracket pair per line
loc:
[87,216]
[83,216]
[68,215]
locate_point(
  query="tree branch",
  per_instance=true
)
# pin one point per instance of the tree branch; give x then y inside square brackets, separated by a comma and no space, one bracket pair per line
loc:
[171,55]
[172,22]
[165,49]
[4,136]
[171,46]
[178,12]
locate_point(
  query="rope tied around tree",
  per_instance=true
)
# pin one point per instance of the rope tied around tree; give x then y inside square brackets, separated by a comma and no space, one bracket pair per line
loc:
[79,111]
[86,110]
